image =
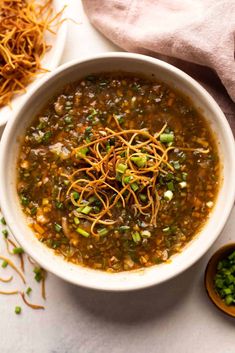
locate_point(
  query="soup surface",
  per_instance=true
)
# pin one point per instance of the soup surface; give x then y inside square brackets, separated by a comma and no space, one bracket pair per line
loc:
[117,172]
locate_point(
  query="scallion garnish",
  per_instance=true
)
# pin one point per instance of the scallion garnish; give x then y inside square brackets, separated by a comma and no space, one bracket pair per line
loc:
[183,184]
[76,220]
[167,138]
[38,274]
[134,187]
[4,264]
[139,161]
[58,227]
[75,195]
[170,186]
[121,168]
[3,221]
[5,233]
[28,291]
[145,234]
[82,232]
[17,310]
[136,237]
[168,195]
[143,197]
[124,228]
[18,250]
[82,152]
[86,210]
[103,231]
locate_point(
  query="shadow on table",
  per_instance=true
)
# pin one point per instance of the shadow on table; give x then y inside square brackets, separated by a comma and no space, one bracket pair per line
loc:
[135,306]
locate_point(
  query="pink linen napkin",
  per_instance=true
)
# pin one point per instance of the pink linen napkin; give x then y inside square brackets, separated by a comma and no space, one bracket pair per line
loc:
[196,31]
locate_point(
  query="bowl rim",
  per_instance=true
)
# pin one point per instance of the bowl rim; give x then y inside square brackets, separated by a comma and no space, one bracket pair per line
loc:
[4,148]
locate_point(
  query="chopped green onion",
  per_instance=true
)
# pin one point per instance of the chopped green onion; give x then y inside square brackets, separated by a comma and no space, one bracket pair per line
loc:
[229,300]
[136,237]
[143,197]
[167,138]
[170,186]
[93,113]
[86,210]
[38,274]
[166,229]
[120,118]
[5,233]
[88,129]
[47,136]
[33,211]
[121,168]
[76,220]
[139,161]
[75,195]
[3,221]
[168,195]
[17,310]
[123,228]
[118,177]
[134,187]
[184,176]
[18,250]
[145,234]
[57,227]
[24,200]
[227,291]
[83,232]
[127,179]
[232,256]
[4,264]
[92,199]
[96,208]
[68,119]
[28,291]
[82,152]
[176,165]
[103,231]
[183,184]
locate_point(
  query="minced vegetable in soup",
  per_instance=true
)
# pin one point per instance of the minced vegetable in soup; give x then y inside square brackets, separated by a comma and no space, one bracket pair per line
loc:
[118,172]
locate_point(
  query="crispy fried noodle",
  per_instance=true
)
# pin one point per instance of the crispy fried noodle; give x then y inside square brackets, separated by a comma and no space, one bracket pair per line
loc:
[23,24]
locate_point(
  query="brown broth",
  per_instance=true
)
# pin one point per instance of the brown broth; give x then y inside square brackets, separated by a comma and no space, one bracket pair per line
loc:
[72,119]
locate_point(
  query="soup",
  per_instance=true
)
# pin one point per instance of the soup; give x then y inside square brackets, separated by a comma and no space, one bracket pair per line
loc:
[118,172]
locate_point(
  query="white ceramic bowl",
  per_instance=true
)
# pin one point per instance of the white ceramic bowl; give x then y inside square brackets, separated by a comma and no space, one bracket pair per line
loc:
[93,278]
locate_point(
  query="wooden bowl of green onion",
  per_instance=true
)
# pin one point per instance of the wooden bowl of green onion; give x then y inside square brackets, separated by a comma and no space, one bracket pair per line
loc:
[220,279]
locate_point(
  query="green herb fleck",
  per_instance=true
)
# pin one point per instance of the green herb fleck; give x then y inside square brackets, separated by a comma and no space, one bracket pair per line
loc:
[5,233]
[28,290]
[18,250]
[3,221]
[4,264]
[17,310]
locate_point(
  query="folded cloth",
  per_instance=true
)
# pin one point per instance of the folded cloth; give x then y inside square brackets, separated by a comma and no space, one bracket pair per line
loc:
[197,31]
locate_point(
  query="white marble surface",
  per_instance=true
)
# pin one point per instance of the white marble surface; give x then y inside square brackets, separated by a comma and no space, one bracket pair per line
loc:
[174,317]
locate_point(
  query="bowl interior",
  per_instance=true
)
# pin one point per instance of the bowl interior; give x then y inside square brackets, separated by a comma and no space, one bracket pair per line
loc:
[45,90]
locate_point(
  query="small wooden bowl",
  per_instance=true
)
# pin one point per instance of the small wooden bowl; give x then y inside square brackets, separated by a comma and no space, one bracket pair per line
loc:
[210,273]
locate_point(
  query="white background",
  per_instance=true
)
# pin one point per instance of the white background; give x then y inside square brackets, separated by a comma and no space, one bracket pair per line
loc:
[176,317]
